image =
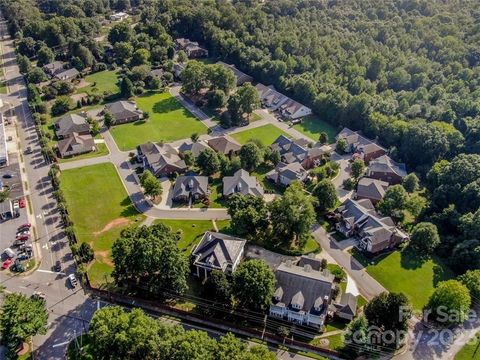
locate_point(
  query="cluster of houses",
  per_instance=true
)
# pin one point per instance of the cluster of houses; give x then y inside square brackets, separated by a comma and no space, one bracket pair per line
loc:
[60,71]
[74,132]
[357,217]
[191,48]
[303,293]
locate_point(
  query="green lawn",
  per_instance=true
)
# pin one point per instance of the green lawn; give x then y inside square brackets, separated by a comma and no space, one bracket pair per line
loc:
[101,82]
[192,231]
[99,208]
[168,121]
[3,87]
[312,126]
[216,196]
[471,351]
[400,271]
[266,134]
[260,173]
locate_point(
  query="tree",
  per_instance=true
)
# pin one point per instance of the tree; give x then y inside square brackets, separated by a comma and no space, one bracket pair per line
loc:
[193,77]
[424,239]
[207,161]
[140,57]
[21,318]
[151,185]
[393,202]
[36,75]
[471,279]
[249,215]
[217,288]
[123,52]
[126,88]
[357,333]
[150,254]
[251,156]
[221,78]
[61,105]
[95,127]
[410,183]
[45,56]
[194,137]
[254,284]
[85,253]
[108,119]
[358,167]
[466,255]
[470,225]
[216,99]
[188,157]
[292,215]
[389,312]
[182,56]
[249,99]
[449,304]
[120,32]
[323,138]
[341,146]
[272,156]
[24,64]
[326,194]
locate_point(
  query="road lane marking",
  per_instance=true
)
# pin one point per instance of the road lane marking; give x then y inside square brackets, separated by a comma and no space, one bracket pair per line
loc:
[61,344]
[51,272]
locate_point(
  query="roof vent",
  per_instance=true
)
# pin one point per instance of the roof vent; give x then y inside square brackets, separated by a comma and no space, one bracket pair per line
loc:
[307,268]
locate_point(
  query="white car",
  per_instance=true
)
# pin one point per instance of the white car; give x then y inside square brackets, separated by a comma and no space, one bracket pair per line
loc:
[73,280]
[16,205]
[10,253]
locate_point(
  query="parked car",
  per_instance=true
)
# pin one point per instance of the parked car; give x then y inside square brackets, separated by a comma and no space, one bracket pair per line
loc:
[16,205]
[22,202]
[8,176]
[9,252]
[23,237]
[23,232]
[25,226]
[72,279]
[6,263]
[28,150]
[38,296]
[58,266]
[18,242]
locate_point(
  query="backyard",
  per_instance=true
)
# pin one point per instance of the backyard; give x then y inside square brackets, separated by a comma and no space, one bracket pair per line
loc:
[401,271]
[312,126]
[266,134]
[101,82]
[168,121]
[99,208]
[471,350]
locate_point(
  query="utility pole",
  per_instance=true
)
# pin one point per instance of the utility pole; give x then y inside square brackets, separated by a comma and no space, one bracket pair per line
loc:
[264,326]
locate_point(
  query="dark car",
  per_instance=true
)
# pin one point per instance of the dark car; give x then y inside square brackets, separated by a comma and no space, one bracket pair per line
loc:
[58,266]
[28,150]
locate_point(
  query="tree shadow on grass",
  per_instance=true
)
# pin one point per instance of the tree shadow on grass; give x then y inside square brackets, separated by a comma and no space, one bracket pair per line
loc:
[166,105]
[411,260]
[139,122]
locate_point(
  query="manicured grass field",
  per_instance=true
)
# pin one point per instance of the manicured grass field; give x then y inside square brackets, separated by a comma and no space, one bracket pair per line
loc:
[400,271]
[471,351]
[103,81]
[99,208]
[312,126]
[266,134]
[192,231]
[168,121]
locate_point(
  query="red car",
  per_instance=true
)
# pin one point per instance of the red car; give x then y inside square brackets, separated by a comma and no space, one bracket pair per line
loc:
[22,202]
[23,237]
[6,263]
[25,226]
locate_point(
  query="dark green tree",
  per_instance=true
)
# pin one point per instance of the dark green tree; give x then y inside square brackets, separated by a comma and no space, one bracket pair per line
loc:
[449,304]
[208,162]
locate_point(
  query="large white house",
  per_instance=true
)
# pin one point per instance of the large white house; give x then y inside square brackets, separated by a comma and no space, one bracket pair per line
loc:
[303,294]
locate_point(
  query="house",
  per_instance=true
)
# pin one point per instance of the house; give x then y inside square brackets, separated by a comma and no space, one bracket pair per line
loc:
[240,77]
[302,294]
[360,146]
[358,218]
[371,189]
[194,147]
[53,68]
[3,143]
[347,307]
[157,73]
[300,150]
[224,145]
[217,251]
[124,111]
[160,159]
[293,110]
[178,69]
[285,174]
[118,16]
[269,97]
[241,183]
[191,48]
[69,124]
[68,74]
[76,144]
[385,169]
[190,188]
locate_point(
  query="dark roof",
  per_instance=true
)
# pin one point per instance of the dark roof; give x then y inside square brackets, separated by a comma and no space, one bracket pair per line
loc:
[303,286]
[71,123]
[371,188]
[311,260]
[241,182]
[298,150]
[195,147]
[190,184]
[240,76]
[76,144]
[293,171]
[67,74]
[123,109]
[54,67]
[384,164]
[223,145]
[348,304]
[159,156]
[217,251]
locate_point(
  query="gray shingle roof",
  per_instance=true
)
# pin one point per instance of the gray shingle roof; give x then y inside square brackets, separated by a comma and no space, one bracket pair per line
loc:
[385,164]
[159,156]
[123,109]
[76,144]
[186,185]
[71,123]
[241,182]
[217,251]
[195,147]
[303,286]
[67,74]
[240,76]
[347,304]
[371,188]
[224,145]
